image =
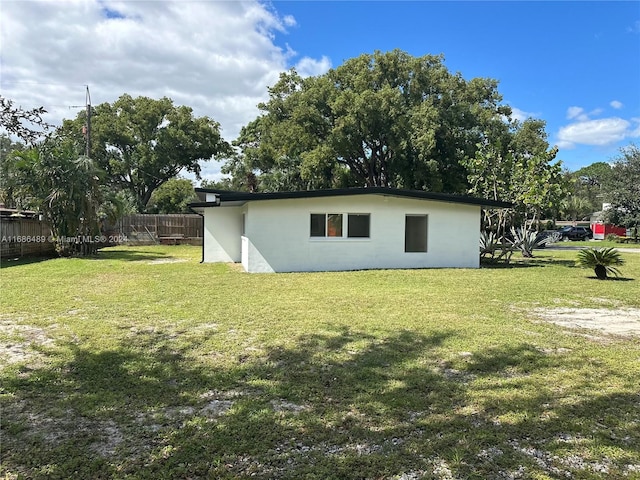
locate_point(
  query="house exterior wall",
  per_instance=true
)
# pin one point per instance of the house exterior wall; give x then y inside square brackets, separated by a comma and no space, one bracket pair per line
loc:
[222,231]
[277,235]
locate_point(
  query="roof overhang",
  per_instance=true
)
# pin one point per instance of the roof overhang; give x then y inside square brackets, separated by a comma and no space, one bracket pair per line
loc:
[232,198]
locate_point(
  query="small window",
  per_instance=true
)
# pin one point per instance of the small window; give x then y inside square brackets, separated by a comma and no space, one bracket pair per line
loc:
[318,224]
[415,233]
[358,225]
[334,225]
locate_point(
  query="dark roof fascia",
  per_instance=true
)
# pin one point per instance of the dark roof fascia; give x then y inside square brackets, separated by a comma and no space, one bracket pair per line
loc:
[203,204]
[201,192]
[231,196]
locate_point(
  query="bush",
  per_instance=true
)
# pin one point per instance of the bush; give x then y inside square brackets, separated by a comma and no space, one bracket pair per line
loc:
[494,249]
[603,261]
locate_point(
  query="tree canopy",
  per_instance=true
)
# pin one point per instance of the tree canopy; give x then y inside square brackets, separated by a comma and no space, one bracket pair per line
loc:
[382,119]
[623,190]
[141,142]
[391,119]
[173,196]
[516,165]
[587,190]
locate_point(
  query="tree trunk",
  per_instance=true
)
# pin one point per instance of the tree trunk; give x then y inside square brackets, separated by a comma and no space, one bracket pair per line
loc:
[601,272]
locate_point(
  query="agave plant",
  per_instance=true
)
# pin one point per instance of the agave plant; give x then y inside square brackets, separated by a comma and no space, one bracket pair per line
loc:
[488,244]
[603,261]
[526,240]
[491,244]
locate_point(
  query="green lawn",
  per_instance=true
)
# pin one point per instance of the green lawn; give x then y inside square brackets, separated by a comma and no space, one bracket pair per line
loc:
[597,244]
[144,363]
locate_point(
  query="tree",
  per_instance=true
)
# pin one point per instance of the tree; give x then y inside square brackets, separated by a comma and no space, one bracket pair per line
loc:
[587,189]
[538,181]
[115,205]
[594,175]
[9,183]
[382,119]
[65,187]
[576,207]
[623,188]
[13,119]
[516,164]
[142,143]
[173,196]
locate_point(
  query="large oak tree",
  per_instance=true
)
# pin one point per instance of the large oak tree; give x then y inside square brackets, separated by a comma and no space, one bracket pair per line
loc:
[382,119]
[142,143]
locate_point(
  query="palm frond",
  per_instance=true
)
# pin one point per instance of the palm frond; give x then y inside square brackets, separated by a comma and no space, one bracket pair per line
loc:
[601,259]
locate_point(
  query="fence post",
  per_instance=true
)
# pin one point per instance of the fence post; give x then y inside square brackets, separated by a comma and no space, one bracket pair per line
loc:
[21,231]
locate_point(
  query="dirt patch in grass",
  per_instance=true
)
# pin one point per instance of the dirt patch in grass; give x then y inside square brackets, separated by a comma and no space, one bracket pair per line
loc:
[162,261]
[619,321]
[18,341]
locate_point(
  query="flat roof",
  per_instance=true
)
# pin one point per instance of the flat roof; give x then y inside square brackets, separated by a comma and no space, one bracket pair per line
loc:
[227,196]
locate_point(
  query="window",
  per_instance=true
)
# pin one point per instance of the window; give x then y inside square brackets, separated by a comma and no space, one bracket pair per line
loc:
[415,233]
[332,225]
[318,224]
[358,225]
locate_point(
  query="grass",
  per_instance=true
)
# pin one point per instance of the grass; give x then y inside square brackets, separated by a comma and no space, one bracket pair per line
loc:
[143,363]
[597,244]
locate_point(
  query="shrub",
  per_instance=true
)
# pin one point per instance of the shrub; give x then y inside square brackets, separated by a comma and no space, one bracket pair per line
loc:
[494,248]
[527,240]
[603,261]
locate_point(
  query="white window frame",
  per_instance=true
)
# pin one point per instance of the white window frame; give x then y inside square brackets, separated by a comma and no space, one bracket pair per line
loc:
[345,227]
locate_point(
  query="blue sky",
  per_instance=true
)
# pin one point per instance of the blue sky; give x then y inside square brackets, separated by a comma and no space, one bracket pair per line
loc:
[575,65]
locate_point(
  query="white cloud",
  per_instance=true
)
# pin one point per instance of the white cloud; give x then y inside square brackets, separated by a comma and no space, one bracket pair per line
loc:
[599,132]
[574,112]
[309,67]
[289,21]
[604,131]
[521,115]
[216,57]
[579,113]
[635,133]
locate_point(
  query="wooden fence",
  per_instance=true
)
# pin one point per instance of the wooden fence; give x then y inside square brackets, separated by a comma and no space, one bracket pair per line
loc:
[149,229]
[24,236]
[30,236]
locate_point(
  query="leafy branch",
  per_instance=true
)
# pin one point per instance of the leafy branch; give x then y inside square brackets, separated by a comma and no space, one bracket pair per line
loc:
[12,119]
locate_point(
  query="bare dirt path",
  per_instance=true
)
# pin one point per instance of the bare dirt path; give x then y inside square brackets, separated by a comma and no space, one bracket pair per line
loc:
[614,321]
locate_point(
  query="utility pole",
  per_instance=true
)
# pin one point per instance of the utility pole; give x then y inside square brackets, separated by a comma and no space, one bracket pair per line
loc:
[88,107]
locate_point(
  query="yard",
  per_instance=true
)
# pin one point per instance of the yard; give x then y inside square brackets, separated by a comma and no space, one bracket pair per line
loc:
[143,363]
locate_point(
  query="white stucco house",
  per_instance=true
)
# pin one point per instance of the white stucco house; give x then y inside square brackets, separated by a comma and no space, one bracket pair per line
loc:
[341,229]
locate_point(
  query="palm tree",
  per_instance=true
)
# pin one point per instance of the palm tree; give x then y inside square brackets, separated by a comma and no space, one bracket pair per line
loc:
[576,208]
[64,186]
[602,260]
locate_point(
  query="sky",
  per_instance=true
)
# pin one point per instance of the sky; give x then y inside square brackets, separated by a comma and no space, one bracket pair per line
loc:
[575,65]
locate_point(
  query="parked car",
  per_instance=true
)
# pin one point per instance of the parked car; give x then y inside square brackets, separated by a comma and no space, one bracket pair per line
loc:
[575,233]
